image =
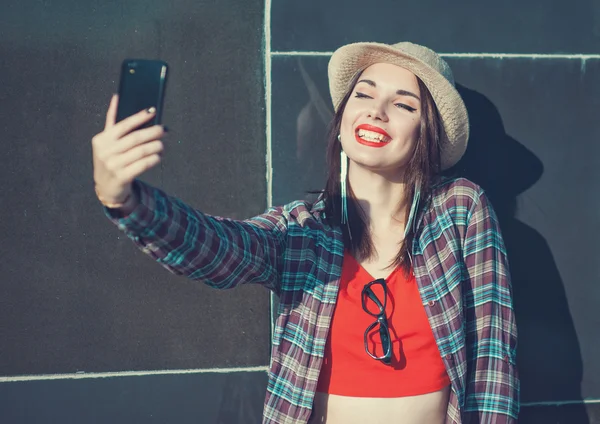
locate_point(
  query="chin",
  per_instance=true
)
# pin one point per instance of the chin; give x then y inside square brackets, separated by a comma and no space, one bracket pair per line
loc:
[380,161]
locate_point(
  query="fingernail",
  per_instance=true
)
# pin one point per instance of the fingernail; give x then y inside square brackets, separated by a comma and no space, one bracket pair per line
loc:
[151,109]
[165,128]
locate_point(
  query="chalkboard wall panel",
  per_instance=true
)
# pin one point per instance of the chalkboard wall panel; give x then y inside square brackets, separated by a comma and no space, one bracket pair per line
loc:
[471,26]
[75,294]
[533,122]
[192,398]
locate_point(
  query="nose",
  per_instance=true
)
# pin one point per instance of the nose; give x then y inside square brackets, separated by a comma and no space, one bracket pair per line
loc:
[377,111]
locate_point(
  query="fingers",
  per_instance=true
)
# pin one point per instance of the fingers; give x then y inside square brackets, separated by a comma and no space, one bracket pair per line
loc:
[111,115]
[127,125]
[138,153]
[140,166]
[106,147]
[118,170]
[136,138]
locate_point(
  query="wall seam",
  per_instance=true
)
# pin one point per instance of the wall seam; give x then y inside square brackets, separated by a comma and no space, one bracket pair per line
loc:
[269,147]
[84,375]
[464,55]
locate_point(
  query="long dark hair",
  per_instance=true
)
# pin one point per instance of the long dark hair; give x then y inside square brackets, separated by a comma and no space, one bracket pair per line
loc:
[422,173]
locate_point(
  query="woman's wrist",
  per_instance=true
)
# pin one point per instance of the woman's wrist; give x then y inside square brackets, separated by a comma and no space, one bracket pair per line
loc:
[125,205]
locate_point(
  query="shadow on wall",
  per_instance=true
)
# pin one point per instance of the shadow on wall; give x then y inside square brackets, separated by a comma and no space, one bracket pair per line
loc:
[549,356]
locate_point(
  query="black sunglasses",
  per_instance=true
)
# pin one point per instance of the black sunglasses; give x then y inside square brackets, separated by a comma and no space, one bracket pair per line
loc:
[381,320]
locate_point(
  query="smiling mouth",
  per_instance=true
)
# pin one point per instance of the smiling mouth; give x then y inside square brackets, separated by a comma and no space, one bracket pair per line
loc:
[372,136]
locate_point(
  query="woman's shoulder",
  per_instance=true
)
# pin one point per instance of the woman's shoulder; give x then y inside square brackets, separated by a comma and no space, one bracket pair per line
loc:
[456,191]
[453,201]
[450,207]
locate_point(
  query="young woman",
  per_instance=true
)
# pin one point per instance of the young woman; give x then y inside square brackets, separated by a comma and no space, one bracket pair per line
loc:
[394,289]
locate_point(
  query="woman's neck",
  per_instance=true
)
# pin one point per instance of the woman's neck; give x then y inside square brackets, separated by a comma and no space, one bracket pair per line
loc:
[381,198]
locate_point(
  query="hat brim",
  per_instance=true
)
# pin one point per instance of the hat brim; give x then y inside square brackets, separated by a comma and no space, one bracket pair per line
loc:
[348,61]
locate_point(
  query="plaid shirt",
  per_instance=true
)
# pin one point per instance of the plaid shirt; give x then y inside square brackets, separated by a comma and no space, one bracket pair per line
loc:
[459,262]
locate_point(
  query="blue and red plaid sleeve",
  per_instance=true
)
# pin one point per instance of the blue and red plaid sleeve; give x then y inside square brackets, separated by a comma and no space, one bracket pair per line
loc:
[220,252]
[492,390]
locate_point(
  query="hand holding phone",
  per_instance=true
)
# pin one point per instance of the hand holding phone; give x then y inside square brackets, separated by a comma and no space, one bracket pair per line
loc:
[131,141]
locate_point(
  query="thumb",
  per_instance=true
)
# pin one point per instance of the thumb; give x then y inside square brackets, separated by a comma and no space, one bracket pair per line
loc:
[111,115]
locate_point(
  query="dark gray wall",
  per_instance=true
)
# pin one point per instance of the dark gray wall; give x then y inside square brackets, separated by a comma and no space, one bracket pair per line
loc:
[76,296]
[465,26]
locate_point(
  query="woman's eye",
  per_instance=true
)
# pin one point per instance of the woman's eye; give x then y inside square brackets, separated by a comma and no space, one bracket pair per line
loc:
[360,95]
[407,107]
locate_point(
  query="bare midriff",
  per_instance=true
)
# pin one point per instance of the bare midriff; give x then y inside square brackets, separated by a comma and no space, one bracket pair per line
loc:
[427,408]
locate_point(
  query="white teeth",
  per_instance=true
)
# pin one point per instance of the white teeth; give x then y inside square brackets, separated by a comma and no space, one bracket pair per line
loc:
[372,136]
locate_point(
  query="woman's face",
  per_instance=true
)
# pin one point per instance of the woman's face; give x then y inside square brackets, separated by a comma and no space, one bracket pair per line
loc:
[381,121]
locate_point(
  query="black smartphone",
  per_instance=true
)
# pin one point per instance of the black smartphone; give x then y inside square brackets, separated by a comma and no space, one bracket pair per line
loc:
[142,85]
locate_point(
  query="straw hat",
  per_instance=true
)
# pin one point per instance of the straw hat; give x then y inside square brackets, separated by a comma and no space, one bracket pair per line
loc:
[347,61]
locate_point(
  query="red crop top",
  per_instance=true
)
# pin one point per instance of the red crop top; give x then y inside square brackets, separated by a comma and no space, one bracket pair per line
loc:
[347,370]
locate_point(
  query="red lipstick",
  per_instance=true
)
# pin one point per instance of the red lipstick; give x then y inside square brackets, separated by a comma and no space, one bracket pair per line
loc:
[375,129]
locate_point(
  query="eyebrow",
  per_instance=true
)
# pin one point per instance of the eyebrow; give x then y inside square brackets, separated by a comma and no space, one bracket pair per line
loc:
[398,92]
